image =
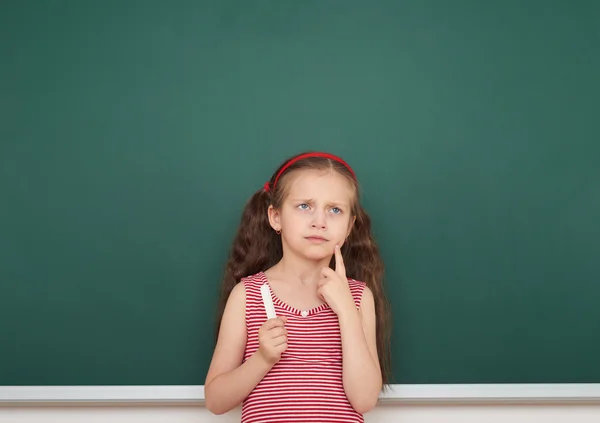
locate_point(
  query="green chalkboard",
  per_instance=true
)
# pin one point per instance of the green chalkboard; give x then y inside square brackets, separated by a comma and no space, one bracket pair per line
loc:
[132,133]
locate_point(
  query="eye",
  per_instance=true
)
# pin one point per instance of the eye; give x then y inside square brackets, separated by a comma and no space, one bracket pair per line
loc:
[303,206]
[336,210]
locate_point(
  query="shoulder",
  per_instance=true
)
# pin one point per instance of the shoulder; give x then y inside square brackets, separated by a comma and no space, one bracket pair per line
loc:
[246,285]
[356,285]
[237,297]
[363,298]
[360,291]
[252,282]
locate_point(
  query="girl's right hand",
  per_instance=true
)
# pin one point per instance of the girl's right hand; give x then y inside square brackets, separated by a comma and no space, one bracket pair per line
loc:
[272,339]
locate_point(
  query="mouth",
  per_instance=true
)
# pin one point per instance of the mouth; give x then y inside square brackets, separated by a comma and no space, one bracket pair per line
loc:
[316,238]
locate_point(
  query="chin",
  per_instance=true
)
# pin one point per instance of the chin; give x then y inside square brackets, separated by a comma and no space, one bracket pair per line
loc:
[318,255]
[316,252]
[314,257]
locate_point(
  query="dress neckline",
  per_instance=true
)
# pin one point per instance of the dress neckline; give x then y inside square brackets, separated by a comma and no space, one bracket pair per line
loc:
[286,306]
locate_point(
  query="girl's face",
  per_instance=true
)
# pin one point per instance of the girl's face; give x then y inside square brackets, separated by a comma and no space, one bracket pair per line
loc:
[316,213]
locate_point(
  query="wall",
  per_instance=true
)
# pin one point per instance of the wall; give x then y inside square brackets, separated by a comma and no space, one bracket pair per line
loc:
[384,413]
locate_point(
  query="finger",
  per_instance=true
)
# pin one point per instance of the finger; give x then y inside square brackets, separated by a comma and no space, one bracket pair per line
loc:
[272,323]
[279,321]
[340,269]
[275,332]
[327,272]
[280,340]
[279,337]
[320,290]
[281,347]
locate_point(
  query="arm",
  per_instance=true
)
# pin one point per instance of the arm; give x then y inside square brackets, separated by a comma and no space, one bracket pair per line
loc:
[228,381]
[361,369]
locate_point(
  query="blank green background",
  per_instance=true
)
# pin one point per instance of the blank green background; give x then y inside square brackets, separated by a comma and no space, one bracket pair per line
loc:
[132,133]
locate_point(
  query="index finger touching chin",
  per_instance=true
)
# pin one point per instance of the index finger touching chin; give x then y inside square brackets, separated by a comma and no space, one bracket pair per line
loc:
[339,261]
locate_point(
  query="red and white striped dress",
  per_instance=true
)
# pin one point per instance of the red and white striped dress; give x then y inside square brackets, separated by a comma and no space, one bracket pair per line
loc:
[306,384]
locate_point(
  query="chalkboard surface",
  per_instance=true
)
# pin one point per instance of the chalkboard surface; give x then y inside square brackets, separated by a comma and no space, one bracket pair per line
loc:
[133,132]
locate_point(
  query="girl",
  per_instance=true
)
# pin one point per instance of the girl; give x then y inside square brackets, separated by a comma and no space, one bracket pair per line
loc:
[325,355]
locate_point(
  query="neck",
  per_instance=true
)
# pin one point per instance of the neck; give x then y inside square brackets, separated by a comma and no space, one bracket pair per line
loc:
[301,271]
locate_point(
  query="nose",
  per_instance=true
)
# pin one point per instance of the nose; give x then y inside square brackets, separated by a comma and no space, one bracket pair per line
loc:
[319,220]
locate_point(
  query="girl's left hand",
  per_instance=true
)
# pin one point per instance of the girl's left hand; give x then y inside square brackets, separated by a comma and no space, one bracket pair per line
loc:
[333,286]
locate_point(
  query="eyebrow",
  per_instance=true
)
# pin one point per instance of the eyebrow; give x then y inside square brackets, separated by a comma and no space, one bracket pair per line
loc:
[310,200]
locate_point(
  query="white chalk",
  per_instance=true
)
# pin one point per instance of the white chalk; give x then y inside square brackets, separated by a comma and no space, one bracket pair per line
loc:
[268,301]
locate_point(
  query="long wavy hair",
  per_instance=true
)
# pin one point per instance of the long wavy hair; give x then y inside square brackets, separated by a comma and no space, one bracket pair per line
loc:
[256,248]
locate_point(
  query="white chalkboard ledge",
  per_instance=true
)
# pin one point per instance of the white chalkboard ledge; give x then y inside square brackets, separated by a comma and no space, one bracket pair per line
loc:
[396,394]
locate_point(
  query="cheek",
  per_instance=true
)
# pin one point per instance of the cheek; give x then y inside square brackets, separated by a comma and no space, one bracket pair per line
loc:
[340,226]
[292,220]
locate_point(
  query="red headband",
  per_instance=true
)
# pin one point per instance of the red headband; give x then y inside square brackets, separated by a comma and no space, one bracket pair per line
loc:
[304,156]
